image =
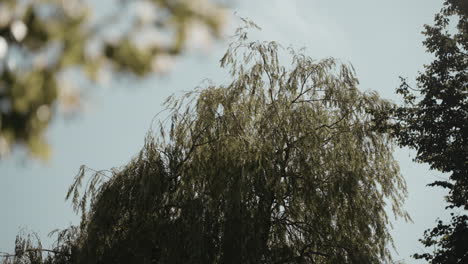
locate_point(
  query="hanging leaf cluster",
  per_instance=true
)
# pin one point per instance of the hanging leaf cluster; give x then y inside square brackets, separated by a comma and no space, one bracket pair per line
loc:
[280,165]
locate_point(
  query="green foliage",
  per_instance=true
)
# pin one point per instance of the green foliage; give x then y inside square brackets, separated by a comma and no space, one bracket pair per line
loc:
[281,165]
[433,121]
[28,248]
[40,40]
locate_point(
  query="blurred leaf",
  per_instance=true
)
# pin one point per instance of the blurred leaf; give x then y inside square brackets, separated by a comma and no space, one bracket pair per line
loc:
[70,26]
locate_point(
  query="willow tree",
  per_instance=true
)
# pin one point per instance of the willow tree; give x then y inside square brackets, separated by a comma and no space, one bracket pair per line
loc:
[281,165]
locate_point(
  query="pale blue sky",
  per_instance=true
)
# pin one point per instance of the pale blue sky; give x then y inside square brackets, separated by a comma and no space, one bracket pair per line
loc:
[380,38]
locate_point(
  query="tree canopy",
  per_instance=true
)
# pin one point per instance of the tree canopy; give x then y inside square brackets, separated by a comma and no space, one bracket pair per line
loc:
[41,41]
[434,122]
[279,165]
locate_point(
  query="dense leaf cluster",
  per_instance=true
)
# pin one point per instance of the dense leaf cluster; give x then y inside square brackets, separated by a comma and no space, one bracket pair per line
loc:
[434,122]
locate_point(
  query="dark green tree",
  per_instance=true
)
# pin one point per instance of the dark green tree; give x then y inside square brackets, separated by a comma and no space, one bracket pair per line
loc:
[43,40]
[280,165]
[434,122]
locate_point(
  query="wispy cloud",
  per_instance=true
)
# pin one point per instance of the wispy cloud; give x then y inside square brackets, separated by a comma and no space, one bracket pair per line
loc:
[298,23]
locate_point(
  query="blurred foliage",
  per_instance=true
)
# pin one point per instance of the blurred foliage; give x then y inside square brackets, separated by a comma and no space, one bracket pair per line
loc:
[281,165]
[41,40]
[434,121]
